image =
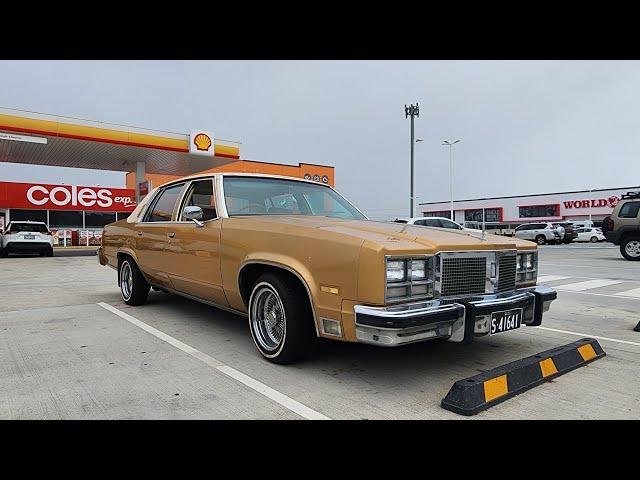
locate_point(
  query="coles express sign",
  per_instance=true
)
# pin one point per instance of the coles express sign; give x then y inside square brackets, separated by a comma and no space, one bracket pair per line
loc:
[69,197]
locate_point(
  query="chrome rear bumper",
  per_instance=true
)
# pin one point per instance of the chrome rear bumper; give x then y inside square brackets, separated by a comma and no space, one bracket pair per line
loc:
[457,320]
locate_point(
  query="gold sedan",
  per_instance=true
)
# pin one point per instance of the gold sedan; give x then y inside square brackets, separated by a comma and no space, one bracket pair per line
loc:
[301,261]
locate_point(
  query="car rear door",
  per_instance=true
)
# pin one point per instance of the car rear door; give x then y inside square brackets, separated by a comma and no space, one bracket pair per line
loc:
[192,251]
[151,234]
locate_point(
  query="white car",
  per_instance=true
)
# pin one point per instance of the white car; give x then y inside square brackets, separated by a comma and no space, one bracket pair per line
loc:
[26,237]
[593,235]
[440,222]
[541,233]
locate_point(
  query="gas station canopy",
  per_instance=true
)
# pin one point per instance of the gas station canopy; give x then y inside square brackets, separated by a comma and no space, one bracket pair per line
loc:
[40,139]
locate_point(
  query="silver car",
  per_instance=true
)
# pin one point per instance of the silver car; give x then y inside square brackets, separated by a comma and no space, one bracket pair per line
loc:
[541,233]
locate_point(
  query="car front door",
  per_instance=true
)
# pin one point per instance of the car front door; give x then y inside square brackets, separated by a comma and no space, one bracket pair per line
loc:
[523,232]
[193,249]
[151,235]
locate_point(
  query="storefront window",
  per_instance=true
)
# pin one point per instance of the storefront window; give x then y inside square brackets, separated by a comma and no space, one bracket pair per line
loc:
[540,211]
[98,219]
[490,215]
[29,215]
[443,214]
[65,218]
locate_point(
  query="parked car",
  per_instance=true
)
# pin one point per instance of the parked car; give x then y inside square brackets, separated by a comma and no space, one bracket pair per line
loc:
[568,231]
[593,235]
[541,233]
[438,222]
[582,223]
[26,237]
[300,261]
[623,226]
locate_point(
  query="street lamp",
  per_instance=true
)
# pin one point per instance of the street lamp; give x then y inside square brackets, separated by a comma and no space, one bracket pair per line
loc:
[413,111]
[449,144]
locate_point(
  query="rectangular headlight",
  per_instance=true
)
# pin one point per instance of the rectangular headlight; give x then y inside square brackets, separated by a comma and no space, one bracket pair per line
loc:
[418,269]
[526,267]
[396,271]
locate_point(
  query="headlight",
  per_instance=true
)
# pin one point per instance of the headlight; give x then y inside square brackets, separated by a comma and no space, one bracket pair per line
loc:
[409,278]
[526,267]
[418,269]
[396,271]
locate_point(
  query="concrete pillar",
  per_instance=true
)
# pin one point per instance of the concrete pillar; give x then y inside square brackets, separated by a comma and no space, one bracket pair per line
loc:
[140,174]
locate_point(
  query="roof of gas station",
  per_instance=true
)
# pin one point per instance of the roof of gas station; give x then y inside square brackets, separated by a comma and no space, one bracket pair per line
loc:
[73,142]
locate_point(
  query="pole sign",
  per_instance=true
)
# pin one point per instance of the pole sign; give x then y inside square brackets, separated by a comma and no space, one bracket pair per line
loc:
[143,188]
[66,197]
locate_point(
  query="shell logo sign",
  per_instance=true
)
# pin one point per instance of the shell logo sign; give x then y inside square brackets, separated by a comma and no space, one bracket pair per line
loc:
[201,143]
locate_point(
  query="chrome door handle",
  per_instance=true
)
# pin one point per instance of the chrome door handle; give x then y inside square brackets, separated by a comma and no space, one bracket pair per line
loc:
[171,234]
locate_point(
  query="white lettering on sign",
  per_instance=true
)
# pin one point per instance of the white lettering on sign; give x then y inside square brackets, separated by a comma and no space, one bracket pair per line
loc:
[71,196]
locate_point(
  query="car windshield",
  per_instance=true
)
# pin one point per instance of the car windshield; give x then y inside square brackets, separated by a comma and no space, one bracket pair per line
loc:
[272,196]
[28,227]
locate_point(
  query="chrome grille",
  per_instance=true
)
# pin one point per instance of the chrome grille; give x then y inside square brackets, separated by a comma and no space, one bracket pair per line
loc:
[506,272]
[463,276]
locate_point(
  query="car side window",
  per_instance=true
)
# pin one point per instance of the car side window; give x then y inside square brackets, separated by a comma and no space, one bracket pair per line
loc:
[450,224]
[629,210]
[420,222]
[163,206]
[201,195]
[432,222]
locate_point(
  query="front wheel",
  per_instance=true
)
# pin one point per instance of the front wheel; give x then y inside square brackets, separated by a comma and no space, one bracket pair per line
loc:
[280,318]
[630,249]
[594,239]
[541,239]
[133,286]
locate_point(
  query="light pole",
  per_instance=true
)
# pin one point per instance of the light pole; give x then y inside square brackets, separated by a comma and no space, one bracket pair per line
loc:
[413,111]
[449,144]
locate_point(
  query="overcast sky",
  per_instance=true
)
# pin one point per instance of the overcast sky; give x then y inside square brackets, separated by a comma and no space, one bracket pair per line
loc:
[526,126]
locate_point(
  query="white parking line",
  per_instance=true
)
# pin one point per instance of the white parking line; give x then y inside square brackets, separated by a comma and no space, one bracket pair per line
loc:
[551,278]
[589,284]
[635,293]
[287,402]
[590,336]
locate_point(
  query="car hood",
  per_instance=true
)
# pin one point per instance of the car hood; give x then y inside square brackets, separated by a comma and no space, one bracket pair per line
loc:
[400,235]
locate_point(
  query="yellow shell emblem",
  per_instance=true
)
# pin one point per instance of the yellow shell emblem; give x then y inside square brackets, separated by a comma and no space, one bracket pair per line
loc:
[202,142]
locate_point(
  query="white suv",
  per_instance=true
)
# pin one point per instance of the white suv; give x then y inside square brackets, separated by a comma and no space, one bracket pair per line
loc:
[26,237]
[541,233]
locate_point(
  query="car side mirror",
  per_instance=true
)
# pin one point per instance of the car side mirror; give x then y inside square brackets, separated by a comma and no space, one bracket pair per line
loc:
[193,213]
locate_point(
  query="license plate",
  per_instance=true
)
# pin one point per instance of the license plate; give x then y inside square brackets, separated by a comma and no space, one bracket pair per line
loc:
[29,237]
[506,320]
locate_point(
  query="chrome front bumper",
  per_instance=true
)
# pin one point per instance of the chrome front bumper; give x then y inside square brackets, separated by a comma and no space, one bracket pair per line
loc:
[457,320]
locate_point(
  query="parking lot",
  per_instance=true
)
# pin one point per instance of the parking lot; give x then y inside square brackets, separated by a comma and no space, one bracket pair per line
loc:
[71,349]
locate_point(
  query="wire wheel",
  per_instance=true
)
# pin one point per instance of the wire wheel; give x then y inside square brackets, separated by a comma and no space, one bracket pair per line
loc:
[268,321]
[126,280]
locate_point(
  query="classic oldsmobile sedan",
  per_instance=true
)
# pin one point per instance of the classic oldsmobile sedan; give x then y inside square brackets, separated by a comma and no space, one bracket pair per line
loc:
[301,261]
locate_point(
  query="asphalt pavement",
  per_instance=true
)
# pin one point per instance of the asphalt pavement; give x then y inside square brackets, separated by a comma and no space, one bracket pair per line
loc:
[71,349]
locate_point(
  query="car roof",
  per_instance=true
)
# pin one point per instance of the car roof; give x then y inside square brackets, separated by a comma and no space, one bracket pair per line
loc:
[244,174]
[27,221]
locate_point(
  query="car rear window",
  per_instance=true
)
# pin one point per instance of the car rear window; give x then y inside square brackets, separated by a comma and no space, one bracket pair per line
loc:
[27,227]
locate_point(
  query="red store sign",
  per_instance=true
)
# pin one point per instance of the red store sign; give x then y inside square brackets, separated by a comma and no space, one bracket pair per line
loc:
[610,202]
[66,197]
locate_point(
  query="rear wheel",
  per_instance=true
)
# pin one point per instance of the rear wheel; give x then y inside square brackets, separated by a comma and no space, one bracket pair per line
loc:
[541,239]
[630,249]
[280,318]
[133,286]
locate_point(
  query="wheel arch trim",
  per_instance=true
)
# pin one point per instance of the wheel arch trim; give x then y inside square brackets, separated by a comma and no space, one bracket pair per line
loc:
[272,263]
